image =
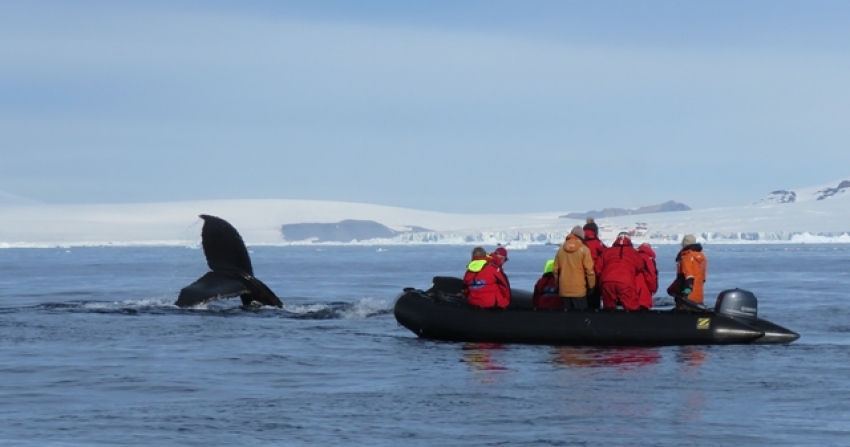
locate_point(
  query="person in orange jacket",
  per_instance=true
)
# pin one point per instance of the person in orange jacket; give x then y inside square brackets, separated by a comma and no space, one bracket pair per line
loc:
[545,294]
[647,280]
[691,269]
[574,270]
[484,284]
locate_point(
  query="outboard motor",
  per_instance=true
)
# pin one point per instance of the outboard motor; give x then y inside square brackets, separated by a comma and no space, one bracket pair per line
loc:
[737,303]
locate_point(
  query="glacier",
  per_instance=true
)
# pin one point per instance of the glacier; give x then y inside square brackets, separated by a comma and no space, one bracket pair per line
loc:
[818,214]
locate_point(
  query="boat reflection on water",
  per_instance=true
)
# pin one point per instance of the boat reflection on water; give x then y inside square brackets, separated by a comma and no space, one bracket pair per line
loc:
[691,400]
[623,358]
[488,360]
[691,358]
[480,356]
[605,372]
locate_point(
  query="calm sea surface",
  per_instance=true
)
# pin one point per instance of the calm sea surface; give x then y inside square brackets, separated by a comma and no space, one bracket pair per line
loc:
[92,352]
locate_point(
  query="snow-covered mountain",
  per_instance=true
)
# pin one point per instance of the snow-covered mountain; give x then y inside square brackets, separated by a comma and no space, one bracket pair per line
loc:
[816,214]
[822,192]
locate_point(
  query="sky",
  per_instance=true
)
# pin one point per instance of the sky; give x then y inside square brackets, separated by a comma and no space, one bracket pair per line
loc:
[453,106]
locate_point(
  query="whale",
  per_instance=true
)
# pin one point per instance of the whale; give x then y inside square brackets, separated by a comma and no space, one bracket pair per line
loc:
[231,273]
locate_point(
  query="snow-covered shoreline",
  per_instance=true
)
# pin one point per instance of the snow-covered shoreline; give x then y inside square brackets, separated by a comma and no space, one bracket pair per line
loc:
[804,238]
[259,222]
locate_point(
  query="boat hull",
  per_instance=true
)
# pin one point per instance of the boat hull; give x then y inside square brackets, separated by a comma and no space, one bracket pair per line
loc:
[430,316]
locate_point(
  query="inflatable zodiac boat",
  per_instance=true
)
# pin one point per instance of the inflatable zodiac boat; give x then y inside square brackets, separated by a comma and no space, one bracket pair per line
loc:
[440,313]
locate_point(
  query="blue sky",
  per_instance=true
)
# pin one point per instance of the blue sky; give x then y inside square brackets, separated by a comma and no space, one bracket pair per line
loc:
[475,106]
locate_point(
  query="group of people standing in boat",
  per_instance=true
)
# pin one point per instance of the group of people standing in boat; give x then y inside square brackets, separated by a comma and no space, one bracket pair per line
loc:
[586,274]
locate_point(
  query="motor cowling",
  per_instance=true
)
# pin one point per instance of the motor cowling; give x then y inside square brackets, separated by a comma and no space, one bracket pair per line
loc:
[737,303]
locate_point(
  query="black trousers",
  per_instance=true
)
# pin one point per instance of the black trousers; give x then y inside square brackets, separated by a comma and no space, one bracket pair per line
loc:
[594,298]
[575,303]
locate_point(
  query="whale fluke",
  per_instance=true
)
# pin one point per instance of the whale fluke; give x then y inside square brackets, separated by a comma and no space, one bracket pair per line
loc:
[231,272]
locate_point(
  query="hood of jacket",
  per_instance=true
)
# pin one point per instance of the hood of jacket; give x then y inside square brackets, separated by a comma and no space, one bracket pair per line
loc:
[692,247]
[572,244]
[590,235]
[477,264]
[622,242]
[647,250]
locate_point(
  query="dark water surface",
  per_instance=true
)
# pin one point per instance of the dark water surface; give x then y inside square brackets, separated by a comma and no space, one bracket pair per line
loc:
[92,352]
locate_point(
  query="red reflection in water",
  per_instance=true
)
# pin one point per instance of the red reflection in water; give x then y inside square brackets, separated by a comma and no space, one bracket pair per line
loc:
[480,356]
[623,358]
[692,357]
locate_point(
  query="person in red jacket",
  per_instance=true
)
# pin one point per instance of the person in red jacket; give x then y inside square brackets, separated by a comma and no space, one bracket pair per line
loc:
[484,284]
[591,239]
[500,254]
[597,248]
[647,280]
[620,268]
[498,258]
[546,290]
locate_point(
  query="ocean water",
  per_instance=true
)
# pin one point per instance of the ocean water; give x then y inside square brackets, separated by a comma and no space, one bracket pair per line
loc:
[92,352]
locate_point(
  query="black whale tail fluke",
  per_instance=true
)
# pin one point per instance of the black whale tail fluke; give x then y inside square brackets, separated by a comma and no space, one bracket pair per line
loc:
[223,246]
[231,273]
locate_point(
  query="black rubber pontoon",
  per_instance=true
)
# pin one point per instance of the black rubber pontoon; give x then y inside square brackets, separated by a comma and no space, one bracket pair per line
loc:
[438,314]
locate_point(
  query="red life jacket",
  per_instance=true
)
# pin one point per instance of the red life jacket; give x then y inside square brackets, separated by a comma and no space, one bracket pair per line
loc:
[485,286]
[546,293]
[597,249]
[621,263]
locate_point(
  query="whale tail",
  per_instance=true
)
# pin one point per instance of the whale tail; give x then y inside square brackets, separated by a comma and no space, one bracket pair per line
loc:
[231,273]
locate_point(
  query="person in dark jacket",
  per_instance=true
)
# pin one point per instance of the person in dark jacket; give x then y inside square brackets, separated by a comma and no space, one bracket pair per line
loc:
[647,280]
[484,284]
[597,248]
[546,290]
[620,268]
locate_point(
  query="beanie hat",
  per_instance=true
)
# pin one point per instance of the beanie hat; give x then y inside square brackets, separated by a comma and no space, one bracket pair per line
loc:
[689,239]
[549,267]
[577,231]
[501,251]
